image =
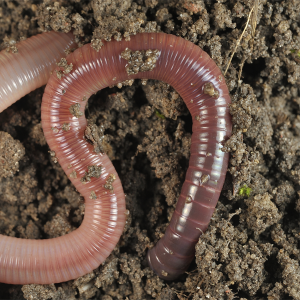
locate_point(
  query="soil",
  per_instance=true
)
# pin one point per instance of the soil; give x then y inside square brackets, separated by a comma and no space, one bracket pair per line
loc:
[252,247]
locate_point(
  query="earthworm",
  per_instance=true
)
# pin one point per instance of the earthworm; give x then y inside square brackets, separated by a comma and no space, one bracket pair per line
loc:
[202,86]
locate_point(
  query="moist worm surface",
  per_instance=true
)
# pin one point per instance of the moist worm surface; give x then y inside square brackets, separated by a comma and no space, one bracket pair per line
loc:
[202,86]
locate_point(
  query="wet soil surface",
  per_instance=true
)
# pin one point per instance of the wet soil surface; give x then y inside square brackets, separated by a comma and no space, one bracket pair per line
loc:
[251,249]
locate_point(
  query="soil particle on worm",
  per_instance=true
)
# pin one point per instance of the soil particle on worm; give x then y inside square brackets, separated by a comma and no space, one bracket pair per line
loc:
[66,127]
[93,171]
[95,136]
[140,61]
[108,184]
[251,249]
[75,109]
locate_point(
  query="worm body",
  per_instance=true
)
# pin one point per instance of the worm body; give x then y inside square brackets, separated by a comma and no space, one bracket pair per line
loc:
[30,68]
[202,86]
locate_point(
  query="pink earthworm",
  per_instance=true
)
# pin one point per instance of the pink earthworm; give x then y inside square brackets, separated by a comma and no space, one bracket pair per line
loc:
[202,86]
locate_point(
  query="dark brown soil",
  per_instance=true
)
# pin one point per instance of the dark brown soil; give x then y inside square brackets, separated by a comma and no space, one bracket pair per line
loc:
[251,249]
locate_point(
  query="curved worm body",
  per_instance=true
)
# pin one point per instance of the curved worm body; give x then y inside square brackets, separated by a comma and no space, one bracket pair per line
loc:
[200,83]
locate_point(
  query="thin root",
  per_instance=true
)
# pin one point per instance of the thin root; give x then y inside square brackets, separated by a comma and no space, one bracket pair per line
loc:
[240,38]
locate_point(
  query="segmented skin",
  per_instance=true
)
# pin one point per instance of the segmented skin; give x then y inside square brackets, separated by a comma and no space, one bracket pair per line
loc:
[188,69]
[30,68]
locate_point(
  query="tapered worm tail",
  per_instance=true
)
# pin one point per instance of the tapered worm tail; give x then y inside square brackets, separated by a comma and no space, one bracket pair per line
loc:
[200,83]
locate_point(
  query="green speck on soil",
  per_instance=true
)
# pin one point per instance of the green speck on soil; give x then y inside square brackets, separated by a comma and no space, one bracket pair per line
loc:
[159,115]
[245,191]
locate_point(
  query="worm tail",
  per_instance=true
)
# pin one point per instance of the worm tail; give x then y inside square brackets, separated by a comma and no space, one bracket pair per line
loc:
[191,71]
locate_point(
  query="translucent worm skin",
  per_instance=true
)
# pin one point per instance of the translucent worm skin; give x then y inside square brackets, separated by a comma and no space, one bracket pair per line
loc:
[30,68]
[188,69]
